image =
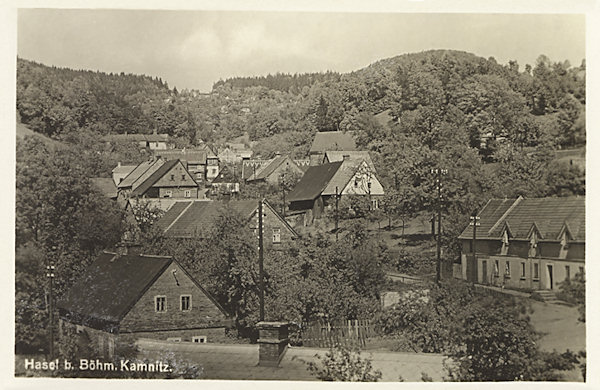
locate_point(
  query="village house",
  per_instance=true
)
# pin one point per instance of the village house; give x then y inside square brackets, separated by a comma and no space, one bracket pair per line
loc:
[532,244]
[271,171]
[120,172]
[124,296]
[151,141]
[329,140]
[202,163]
[227,183]
[320,185]
[158,179]
[187,219]
[234,153]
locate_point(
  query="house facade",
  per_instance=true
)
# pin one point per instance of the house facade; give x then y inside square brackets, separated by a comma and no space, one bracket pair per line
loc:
[531,244]
[318,188]
[227,183]
[123,296]
[158,179]
[202,163]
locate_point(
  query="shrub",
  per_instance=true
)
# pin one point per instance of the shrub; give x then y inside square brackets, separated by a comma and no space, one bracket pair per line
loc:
[344,364]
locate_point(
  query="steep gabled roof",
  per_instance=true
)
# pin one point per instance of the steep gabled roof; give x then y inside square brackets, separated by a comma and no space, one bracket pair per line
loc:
[332,140]
[314,181]
[547,216]
[112,284]
[347,171]
[226,176]
[267,169]
[188,219]
[152,179]
[137,172]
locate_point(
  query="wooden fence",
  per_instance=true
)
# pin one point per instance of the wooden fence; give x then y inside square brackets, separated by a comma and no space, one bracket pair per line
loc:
[323,334]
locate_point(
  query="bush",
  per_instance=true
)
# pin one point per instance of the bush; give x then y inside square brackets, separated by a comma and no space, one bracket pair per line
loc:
[344,364]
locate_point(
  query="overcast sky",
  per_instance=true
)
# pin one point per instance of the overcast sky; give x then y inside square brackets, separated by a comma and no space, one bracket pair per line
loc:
[193,49]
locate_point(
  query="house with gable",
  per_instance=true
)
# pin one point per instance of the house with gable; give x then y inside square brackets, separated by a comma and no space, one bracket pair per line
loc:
[532,244]
[227,183]
[320,185]
[190,219]
[123,296]
[329,140]
[201,162]
[272,171]
[158,179]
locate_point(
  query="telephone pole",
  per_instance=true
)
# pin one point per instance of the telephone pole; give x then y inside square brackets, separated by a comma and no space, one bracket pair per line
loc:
[438,182]
[261,293]
[337,215]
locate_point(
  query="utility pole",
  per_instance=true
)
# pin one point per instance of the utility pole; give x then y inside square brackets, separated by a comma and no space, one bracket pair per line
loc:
[438,182]
[474,222]
[261,293]
[337,215]
[50,275]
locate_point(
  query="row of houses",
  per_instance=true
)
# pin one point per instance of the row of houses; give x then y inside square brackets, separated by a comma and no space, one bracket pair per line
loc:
[525,244]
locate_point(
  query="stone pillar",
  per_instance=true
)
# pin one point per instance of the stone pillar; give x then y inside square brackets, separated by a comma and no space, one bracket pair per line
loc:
[272,340]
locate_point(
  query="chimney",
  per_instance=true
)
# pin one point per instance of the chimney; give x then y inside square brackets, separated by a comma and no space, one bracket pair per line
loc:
[119,164]
[272,342]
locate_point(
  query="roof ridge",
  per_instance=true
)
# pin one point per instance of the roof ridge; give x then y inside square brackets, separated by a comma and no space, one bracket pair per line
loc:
[179,216]
[516,202]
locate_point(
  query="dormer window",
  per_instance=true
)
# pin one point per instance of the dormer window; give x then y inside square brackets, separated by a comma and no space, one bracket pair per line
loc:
[533,245]
[505,243]
[564,246]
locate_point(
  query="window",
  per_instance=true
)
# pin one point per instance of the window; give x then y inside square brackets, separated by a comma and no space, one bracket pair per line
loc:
[581,270]
[168,193]
[188,193]
[172,177]
[496,268]
[183,177]
[507,269]
[276,235]
[199,339]
[522,270]
[160,303]
[186,303]
[536,271]
[505,243]
[374,204]
[567,272]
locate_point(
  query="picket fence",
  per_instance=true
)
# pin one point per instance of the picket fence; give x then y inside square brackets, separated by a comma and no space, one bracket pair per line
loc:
[323,334]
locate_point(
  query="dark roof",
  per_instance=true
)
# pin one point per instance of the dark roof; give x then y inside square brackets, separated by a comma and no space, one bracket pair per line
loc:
[153,178]
[226,176]
[188,220]
[313,182]
[192,220]
[112,284]
[550,216]
[332,140]
[105,185]
[137,172]
[266,170]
